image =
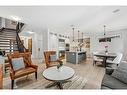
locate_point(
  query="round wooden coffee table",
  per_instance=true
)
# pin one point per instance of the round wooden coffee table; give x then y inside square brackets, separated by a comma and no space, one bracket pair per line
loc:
[58,76]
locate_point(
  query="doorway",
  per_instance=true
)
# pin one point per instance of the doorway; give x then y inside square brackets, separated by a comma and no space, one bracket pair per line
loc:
[40,51]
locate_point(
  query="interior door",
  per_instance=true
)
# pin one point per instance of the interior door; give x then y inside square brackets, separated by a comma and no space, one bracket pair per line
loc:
[40,49]
[30,45]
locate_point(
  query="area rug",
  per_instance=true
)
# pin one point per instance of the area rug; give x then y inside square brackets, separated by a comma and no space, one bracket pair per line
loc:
[77,82]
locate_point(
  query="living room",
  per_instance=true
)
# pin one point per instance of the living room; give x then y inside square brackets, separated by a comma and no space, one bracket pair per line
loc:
[63,47]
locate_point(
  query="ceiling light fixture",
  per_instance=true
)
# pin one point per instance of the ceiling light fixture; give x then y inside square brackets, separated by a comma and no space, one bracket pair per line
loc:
[16,18]
[30,32]
[104,31]
[82,37]
[73,31]
[78,35]
[115,11]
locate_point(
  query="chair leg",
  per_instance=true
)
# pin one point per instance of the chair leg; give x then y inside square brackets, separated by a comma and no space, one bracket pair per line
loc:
[94,62]
[12,84]
[36,75]
[5,70]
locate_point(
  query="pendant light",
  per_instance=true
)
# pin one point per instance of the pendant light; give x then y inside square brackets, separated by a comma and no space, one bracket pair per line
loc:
[104,39]
[73,33]
[82,37]
[104,31]
[78,35]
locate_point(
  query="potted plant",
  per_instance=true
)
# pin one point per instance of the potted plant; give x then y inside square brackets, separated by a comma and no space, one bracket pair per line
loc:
[2,53]
[60,64]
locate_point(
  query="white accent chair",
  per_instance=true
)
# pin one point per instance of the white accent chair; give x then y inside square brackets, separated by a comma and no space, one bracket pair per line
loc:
[96,59]
[116,60]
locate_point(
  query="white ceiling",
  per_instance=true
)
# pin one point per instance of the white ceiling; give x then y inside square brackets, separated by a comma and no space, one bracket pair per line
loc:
[59,18]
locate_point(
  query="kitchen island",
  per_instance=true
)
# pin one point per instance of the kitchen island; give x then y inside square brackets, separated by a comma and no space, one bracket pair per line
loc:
[75,57]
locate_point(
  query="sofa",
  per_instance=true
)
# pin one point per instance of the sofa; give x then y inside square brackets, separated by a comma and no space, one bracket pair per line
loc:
[115,78]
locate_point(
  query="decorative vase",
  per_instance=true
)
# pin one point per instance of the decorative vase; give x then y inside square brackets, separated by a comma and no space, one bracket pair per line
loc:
[59,69]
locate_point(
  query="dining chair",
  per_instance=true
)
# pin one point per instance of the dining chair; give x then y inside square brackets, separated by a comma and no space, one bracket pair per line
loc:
[115,61]
[51,59]
[96,59]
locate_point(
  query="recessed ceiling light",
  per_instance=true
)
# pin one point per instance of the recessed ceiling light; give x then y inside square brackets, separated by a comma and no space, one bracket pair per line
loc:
[16,18]
[30,32]
[115,11]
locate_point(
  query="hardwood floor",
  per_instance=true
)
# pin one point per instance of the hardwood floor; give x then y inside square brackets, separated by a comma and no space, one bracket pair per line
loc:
[86,76]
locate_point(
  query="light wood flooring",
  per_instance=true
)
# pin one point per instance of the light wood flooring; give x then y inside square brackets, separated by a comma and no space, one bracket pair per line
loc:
[86,76]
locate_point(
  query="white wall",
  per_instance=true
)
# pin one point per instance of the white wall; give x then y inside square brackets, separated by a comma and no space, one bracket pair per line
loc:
[2,22]
[125,45]
[39,40]
[50,42]
[8,24]
[45,39]
[53,41]
[116,44]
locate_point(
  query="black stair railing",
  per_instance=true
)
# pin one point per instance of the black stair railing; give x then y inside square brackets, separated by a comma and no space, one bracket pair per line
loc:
[1,29]
[20,45]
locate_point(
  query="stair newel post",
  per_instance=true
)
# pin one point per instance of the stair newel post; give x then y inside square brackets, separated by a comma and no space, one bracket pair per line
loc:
[10,47]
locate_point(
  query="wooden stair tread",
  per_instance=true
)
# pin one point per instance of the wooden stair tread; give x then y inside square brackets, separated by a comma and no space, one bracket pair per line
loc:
[7,33]
[7,46]
[8,49]
[7,39]
[6,43]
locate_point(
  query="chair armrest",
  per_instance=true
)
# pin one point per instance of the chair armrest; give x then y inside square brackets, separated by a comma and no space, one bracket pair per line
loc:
[34,66]
[11,71]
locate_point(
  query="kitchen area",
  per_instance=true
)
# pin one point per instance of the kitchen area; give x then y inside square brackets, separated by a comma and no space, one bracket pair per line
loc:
[71,51]
[79,51]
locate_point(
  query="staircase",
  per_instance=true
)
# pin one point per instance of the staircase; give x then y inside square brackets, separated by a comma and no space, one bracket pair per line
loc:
[10,40]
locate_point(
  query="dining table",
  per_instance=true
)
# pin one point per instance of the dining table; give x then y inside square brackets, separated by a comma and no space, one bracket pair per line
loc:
[105,56]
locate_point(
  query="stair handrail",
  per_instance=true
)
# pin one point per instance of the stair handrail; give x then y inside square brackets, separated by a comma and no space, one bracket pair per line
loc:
[1,29]
[20,44]
[18,29]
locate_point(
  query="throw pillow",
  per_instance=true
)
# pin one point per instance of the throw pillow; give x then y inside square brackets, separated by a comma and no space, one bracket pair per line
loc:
[18,63]
[121,73]
[123,65]
[53,57]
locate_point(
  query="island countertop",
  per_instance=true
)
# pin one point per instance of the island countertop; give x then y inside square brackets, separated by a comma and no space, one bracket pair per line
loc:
[76,51]
[75,56]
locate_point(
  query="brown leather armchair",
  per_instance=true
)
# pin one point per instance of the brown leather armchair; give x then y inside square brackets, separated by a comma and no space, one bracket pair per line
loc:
[47,59]
[29,67]
[1,76]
